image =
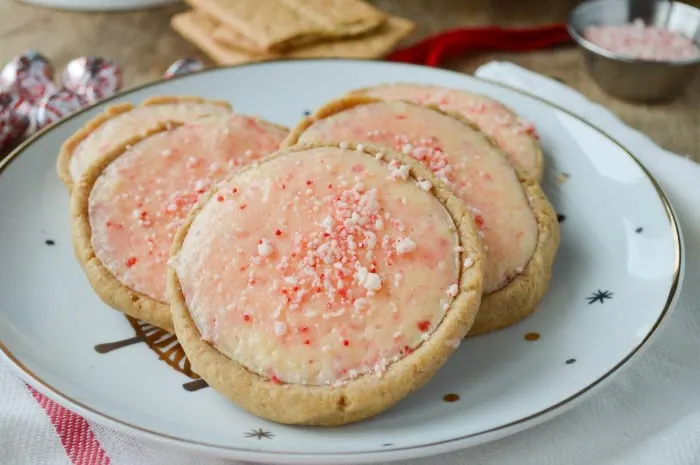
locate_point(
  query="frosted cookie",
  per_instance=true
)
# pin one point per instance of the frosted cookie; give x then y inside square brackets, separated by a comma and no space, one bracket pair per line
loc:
[518,225]
[298,287]
[128,205]
[514,135]
[121,122]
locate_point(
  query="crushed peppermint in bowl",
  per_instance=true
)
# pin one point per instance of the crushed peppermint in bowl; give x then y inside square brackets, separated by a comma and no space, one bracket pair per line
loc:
[641,41]
[638,50]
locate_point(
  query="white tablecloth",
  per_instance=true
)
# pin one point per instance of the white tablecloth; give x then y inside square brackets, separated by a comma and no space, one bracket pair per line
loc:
[649,414]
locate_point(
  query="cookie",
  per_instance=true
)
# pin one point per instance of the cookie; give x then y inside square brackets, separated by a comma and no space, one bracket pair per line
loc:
[199,29]
[282,25]
[517,137]
[298,287]
[518,225]
[128,205]
[122,122]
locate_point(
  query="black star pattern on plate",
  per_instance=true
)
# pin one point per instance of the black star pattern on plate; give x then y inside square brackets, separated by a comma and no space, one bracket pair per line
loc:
[561,217]
[570,361]
[639,230]
[50,242]
[599,296]
[387,444]
[259,434]
[307,113]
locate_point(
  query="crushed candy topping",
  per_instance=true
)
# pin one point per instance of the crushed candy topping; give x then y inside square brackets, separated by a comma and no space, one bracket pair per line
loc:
[453,290]
[405,245]
[339,281]
[637,40]
[134,215]
[476,177]
[398,171]
[427,150]
[424,185]
[493,118]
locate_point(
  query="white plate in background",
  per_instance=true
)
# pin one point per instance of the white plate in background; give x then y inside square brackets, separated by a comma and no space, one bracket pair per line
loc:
[101,5]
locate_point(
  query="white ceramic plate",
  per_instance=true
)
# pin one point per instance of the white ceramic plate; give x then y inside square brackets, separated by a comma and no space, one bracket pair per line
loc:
[101,5]
[614,281]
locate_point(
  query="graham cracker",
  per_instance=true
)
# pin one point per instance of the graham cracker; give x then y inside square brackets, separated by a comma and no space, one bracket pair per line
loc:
[344,17]
[198,29]
[375,44]
[280,25]
[228,35]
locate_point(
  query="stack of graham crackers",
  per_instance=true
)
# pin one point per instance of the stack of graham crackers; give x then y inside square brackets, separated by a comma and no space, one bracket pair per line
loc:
[240,31]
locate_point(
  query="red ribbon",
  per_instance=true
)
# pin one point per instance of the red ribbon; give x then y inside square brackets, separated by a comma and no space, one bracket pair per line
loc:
[456,42]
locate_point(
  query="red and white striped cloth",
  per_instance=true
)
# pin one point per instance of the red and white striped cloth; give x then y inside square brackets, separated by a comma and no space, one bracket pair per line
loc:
[35,430]
[649,415]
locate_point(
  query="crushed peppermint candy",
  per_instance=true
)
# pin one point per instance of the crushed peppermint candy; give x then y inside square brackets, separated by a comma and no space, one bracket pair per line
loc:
[373,282]
[424,184]
[398,171]
[490,116]
[328,265]
[368,280]
[398,277]
[142,200]
[444,305]
[641,41]
[280,328]
[468,262]
[427,150]
[453,290]
[405,245]
[265,248]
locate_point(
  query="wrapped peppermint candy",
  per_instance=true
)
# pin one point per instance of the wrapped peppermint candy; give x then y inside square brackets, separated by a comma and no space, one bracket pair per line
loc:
[13,123]
[184,66]
[30,76]
[94,78]
[58,105]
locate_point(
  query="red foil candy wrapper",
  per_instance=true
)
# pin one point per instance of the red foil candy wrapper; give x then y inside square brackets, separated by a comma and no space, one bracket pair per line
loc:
[184,66]
[30,76]
[56,106]
[93,78]
[13,123]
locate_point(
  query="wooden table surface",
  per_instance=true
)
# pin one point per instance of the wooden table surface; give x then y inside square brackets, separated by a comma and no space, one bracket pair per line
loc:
[144,43]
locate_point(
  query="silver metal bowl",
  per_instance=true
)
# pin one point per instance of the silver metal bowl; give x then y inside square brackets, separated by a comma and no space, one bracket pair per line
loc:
[629,78]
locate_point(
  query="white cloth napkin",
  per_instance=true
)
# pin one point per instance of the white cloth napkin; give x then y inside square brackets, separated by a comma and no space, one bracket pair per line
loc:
[649,415]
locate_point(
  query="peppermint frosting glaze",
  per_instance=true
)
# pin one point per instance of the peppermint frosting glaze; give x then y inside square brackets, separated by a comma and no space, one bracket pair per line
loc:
[117,130]
[142,197]
[460,157]
[515,135]
[312,267]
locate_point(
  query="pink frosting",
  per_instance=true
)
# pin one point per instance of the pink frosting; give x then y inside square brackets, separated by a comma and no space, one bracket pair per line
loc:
[479,176]
[311,268]
[122,127]
[140,199]
[514,135]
